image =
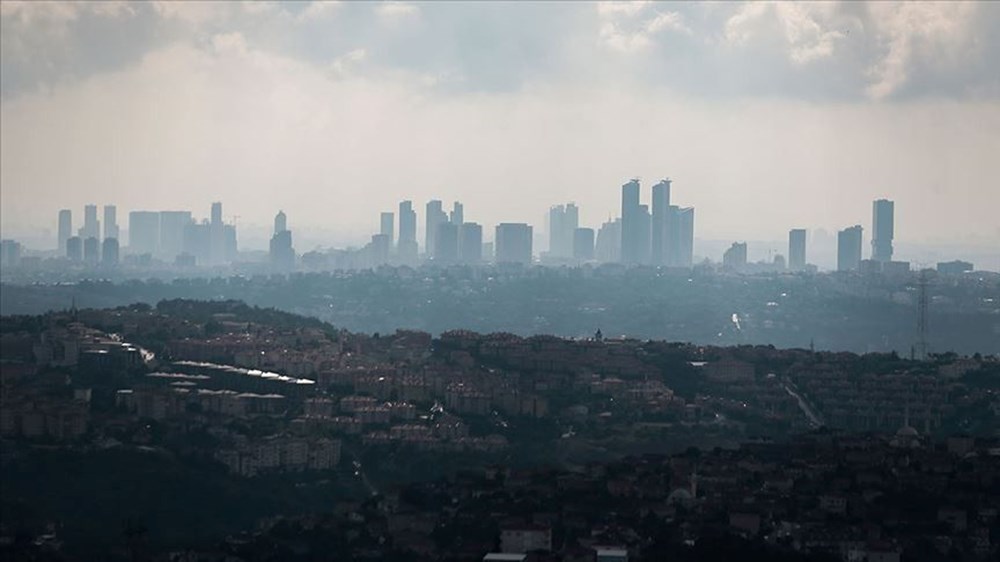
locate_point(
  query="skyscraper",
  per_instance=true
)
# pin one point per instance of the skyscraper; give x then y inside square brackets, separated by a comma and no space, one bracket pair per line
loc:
[631,228]
[91,226]
[281,253]
[435,216]
[882,230]
[65,229]
[446,243]
[143,232]
[109,252]
[684,218]
[797,249]
[387,223]
[74,248]
[849,248]
[280,222]
[172,226]
[216,236]
[470,243]
[642,234]
[659,244]
[513,243]
[735,257]
[563,221]
[91,250]
[457,213]
[583,244]
[110,221]
[608,247]
[408,249]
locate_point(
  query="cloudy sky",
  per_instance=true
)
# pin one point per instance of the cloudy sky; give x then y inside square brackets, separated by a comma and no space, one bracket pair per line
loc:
[766,116]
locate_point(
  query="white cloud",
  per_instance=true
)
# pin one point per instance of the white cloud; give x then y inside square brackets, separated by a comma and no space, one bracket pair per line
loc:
[807,29]
[909,30]
[318,10]
[396,10]
[620,8]
[345,64]
[623,30]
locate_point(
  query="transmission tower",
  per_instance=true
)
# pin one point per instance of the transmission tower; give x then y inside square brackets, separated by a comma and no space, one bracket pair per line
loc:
[922,316]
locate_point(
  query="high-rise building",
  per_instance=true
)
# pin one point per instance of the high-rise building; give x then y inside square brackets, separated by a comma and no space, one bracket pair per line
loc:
[10,253]
[109,251]
[65,229]
[143,232]
[660,242]
[457,213]
[408,249]
[513,243]
[470,243]
[684,254]
[110,221]
[387,223]
[197,241]
[631,227]
[91,250]
[849,248]
[583,244]
[280,222]
[281,252]
[217,236]
[446,243]
[609,242]
[797,249]
[736,256]
[882,230]
[217,212]
[74,248]
[563,221]
[172,226]
[378,250]
[91,226]
[642,234]
[435,216]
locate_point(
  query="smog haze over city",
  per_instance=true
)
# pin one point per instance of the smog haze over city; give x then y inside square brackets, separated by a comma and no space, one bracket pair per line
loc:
[499,281]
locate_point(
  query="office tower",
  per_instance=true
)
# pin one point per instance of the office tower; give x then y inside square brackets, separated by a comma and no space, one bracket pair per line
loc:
[882,230]
[281,253]
[797,249]
[109,251]
[143,232]
[435,216]
[513,243]
[387,223]
[91,250]
[609,242]
[658,225]
[217,236]
[956,267]
[684,253]
[91,226]
[171,240]
[10,253]
[563,221]
[470,243]
[230,251]
[583,244]
[197,241]
[280,222]
[642,233]
[378,250]
[408,249]
[446,243]
[736,256]
[849,248]
[110,221]
[65,229]
[74,248]
[630,223]
[457,213]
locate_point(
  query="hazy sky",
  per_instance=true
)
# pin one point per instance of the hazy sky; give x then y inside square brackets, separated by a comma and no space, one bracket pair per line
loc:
[766,116]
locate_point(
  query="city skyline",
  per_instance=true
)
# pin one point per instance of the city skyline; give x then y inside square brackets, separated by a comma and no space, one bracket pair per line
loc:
[828,120]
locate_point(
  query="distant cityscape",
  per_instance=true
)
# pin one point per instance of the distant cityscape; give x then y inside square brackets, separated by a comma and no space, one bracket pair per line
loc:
[657,234]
